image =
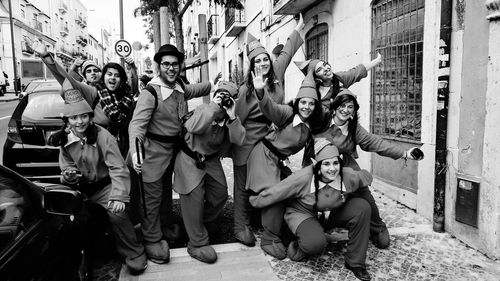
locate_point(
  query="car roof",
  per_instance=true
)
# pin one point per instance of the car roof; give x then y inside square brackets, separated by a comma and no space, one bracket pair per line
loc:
[46,85]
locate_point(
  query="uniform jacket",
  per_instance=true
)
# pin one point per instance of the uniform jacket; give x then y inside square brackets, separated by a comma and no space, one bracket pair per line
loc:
[205,136]
[344,79]
[164,120]
[97,161]
[300,195]
[262,165]
[247,107]
[366,141]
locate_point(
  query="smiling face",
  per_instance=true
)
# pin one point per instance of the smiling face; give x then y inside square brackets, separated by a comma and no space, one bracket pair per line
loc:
[344,112]
[263,62]
[92,74]
[79,123]
[330,169]
[112,79]
[169,69]
[306,107]
[323,71]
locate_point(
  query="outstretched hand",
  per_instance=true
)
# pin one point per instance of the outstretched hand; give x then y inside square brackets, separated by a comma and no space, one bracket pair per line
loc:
[39,47]
[217,78]
[300,23]
[258,79]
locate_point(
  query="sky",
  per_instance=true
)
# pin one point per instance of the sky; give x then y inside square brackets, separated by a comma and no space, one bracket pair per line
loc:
[104,13]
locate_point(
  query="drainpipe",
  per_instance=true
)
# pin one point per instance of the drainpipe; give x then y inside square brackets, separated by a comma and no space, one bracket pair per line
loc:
[442,115]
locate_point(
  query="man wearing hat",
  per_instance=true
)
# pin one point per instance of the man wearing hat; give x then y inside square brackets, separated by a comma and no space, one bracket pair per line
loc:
[91,161]
[90,70]
[318,199]
[329,83]
[199,178]
[157,123]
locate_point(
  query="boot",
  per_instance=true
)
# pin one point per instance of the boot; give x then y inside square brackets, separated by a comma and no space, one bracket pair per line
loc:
[294,252]
[381,239]
[360,272]
[205,254]
[158,252]
[245,237]
[137,265]
[274,248]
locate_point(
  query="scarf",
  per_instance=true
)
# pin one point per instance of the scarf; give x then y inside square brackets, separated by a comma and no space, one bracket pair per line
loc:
[117,110]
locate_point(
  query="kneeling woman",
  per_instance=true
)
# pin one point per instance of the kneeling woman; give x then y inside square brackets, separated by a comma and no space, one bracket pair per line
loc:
[199,177]
[324,187]
[90,160]
[265,165]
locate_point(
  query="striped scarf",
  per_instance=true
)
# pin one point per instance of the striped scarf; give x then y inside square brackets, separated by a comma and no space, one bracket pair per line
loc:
[116,109]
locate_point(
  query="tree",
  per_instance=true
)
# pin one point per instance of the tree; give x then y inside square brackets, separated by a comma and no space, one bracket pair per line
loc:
[176,11]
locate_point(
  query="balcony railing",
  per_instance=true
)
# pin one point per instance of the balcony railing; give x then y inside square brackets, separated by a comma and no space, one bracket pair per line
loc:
[235,21]
[64,30]
[63,8]
[213,29]
[37,25]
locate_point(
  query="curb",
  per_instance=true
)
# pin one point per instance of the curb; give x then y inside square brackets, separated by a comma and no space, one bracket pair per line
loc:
[8,99]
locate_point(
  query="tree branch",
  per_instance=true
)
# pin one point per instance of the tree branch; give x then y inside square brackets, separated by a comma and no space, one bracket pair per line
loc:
[186,6]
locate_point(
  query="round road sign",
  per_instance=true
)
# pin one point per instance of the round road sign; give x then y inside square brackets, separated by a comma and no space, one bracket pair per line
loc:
[123,48]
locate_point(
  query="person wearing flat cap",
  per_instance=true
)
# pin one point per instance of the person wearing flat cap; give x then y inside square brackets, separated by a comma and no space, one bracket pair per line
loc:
[199,178]
[342,128]
[318,198]
[329,83]
[255,123]
[91,162]
[266,163]
[157,123]
[90,70]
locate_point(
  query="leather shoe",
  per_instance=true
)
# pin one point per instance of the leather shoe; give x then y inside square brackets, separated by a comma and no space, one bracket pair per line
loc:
[245,237]
[381,239]
[275,249]
[158,252]
[137,265]
[205,254]
[294,252]
[359,272]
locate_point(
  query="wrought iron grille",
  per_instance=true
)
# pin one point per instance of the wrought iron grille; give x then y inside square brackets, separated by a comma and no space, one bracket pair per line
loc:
[317,42]
[397,33]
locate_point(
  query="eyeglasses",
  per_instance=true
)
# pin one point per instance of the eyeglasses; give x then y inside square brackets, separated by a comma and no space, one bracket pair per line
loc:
[167,65]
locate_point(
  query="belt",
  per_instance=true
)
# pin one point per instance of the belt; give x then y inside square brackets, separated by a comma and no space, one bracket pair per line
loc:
[196,156]
[164,139]
[274,150]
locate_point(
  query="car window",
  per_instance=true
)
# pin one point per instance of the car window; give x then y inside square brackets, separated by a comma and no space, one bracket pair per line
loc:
[43,106]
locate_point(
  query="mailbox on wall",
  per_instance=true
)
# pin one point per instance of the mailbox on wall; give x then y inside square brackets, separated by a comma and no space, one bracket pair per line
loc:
[467,200]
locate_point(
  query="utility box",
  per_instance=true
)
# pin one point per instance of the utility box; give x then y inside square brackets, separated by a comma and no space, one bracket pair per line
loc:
[467,202]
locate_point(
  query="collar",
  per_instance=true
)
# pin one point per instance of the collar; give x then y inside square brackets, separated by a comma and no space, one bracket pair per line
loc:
[72,138]
[323,90]
[297,120]
[220,123]
[343,128]
[165,90]
[321,185]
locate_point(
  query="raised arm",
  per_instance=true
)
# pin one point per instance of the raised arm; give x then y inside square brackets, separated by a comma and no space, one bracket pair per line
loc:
[134,84]
[292,44]
[373,143]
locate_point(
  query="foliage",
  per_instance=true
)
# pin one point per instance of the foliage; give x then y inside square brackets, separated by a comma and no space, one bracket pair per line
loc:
[237,76]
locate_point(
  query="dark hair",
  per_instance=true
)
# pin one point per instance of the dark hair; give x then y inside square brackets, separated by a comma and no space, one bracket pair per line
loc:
[124,88]
[341,99]
[60,138]
[271,76]
[317,177]
[316,116]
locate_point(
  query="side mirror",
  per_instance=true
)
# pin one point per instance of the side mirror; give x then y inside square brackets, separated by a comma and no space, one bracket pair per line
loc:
[63,202]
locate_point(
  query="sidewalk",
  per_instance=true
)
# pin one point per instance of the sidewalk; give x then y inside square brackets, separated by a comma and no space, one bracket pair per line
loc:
[415,253]
[9,96]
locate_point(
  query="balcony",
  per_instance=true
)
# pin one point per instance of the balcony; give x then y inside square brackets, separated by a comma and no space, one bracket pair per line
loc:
[83,24]
[64,30]
[78,39]
[37,25]
[79,19]
[293,7]
[63,8]
[213,29]
[235,22]
[83,41]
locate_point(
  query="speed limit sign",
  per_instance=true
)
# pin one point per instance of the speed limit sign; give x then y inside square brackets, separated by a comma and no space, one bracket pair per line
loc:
[123,48]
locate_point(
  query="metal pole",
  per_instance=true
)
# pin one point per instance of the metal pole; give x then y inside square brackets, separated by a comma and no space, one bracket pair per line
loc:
[14,62]
[122,60]
[203,41]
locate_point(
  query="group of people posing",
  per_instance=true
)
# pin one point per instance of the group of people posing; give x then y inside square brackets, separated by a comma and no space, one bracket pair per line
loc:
[105,130]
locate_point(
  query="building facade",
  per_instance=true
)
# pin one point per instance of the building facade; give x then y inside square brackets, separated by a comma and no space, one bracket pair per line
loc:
[435,89]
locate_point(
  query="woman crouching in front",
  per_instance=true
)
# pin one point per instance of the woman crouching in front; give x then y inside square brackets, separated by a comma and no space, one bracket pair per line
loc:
[319,201]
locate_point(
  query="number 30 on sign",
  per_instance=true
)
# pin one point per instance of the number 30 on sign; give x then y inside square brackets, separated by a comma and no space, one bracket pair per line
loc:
[123,48]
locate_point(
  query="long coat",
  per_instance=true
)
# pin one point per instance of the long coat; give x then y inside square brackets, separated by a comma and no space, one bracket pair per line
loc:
[163,120]
[297,188]
[205,136]
[263,165]
[247,107]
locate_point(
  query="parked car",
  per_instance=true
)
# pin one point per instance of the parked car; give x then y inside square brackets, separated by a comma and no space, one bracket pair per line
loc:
[38,238]
[35,119]
[40,85]
[4,82]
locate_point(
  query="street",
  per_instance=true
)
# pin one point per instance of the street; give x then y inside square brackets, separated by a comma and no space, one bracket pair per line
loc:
[6,109]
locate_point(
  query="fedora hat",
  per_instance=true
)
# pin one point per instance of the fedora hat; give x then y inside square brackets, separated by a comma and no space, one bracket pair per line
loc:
[168,50]
[74,103]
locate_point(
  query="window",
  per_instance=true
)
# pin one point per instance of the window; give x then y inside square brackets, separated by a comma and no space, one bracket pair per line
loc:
[397,33]
[317,42]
